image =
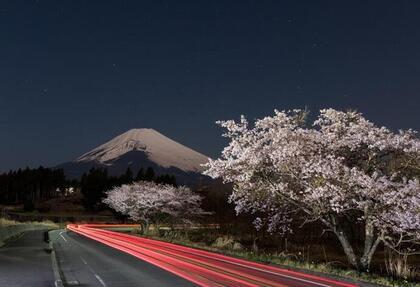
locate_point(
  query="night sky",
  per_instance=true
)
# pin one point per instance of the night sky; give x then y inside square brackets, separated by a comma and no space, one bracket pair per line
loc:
[74,74]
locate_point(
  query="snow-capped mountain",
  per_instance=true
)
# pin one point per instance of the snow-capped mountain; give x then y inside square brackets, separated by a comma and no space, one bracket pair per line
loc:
[158,148]
[139,148]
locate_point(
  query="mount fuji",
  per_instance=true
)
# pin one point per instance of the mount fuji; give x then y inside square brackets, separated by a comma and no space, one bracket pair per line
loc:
[141,148]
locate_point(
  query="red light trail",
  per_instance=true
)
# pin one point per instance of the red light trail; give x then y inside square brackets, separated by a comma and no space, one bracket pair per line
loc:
[202,267]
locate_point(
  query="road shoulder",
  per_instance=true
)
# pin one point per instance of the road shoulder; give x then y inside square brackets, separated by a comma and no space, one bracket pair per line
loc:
[26,261]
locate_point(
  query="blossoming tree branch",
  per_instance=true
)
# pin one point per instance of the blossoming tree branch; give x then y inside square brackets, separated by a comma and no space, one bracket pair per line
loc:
[340,170]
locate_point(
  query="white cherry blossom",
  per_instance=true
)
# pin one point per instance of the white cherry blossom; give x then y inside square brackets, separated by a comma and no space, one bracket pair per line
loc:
[153,203]
[341,167]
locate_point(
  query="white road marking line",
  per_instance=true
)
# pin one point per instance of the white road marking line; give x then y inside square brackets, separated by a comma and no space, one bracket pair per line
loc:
[100,280]
[87,265]
[63,238]
[61,234]
[90,269]
[93,272]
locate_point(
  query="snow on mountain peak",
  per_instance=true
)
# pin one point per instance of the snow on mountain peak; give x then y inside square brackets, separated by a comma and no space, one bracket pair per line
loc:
[158,148]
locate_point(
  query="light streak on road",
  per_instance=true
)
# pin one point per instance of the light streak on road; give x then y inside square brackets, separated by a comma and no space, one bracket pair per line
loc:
[202,267]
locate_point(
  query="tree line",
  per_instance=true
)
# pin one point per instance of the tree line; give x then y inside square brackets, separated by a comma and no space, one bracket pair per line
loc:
[97,181]
[31,186]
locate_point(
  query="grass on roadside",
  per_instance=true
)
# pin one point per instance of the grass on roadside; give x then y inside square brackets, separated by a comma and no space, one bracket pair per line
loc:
[11,229]
[46,223]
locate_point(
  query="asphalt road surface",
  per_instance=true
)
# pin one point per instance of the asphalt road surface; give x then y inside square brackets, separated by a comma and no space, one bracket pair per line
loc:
[85,262]
[26,262]
[198,266]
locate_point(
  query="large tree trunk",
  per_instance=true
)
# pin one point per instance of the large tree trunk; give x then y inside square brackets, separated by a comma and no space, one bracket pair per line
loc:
[347,248]
[371,244]
[361,263]
[331,222]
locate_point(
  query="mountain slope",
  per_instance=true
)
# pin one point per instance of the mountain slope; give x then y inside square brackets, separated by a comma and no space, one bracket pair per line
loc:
[159,149]
[138,148]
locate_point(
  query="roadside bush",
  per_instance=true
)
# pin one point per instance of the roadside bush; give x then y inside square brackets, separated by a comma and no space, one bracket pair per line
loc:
[397,266]
[237,246]
[227,242]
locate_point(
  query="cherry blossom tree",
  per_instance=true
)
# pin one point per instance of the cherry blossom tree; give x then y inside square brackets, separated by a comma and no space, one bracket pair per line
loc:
[339,171]
[152,203]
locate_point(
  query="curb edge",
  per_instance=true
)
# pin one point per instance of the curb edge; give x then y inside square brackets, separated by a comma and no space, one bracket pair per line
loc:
[58,281]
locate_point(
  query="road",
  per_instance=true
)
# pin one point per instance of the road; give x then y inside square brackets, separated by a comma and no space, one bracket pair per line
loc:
[200,267]
[84,262]
[26,262]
